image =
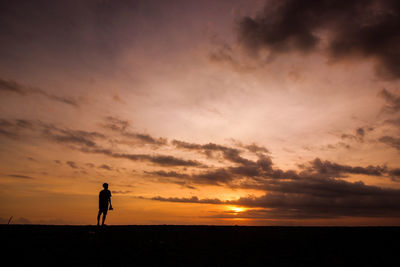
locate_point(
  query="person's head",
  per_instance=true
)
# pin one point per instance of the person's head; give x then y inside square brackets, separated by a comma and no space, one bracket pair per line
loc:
[105,185]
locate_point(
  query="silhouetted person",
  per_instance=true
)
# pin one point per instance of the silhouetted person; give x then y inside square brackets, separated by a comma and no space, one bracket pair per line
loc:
[104,203]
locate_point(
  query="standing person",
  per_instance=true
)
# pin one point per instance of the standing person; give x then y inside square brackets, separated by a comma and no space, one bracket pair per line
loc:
[104,202]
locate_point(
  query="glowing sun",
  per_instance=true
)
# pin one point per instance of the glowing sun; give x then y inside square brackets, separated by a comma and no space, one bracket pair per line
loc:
[237,209]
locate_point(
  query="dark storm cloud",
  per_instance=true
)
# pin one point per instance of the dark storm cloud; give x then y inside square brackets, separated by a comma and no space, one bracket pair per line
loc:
[391,141]
[20,176]
[317,191]
[325,187]
[315,198]
[258,174]
[366,28]
[121,126]
[12,86]
[72,164]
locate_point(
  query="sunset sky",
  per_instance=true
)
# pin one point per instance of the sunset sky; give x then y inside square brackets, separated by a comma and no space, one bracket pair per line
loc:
[230,112]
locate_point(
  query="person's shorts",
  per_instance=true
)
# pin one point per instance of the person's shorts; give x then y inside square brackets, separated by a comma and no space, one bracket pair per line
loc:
[103,209]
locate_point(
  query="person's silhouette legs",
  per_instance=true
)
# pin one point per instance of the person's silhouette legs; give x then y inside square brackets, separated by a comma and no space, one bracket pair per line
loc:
[98,218]
[103,219]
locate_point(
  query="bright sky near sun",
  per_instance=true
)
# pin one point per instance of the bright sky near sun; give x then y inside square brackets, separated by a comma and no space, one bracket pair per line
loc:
[200,112]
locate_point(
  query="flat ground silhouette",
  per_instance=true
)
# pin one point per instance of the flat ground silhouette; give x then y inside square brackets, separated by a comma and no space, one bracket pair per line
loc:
[200,245]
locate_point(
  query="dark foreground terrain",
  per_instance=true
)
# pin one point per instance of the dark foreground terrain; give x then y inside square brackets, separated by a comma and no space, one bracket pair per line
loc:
[199,246]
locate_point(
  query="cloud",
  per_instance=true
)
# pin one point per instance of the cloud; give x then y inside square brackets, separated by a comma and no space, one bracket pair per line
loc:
[20,176]
[85,141]
[68,136]
[228,153]
[11,86]
[90,165]
[172,174]
[72,164]
[354,28]
[105,167]
[116,124]
[392,101]
[227,175]
[7,129]
[359,134]
[255,148]
[391,141]
[121,126]
[61,99]
[217,177]
[13,128]
[395,174]
[117,98]
[163,160]
[257,174]
[14,87]
[121,192]
[314,198]
[316,190]
[193,199]
[329,168]
[395,122]
[166,160]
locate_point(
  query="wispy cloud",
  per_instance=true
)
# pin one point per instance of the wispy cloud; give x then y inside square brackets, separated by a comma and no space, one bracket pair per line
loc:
[122,127]
[18,176]
[14,87]
[72,164]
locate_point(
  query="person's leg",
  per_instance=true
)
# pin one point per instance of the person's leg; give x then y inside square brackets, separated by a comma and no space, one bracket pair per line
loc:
[98,217]
[104,218]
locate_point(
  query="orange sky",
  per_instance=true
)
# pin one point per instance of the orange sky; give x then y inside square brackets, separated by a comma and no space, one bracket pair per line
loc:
[200,112]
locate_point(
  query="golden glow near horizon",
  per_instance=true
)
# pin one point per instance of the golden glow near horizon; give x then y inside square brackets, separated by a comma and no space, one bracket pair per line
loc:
[237,209]
[193,116]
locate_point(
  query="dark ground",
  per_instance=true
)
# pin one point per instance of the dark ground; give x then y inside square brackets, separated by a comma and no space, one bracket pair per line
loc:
[199,246]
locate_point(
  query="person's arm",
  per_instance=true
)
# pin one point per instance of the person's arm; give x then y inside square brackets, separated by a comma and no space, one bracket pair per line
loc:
[109,199]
